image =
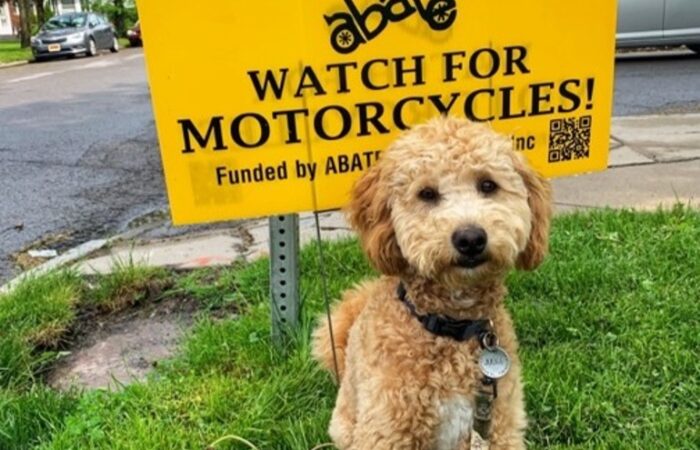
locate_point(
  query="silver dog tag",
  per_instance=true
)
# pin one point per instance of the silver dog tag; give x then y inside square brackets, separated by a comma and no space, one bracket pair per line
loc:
[478,442]
[494,362]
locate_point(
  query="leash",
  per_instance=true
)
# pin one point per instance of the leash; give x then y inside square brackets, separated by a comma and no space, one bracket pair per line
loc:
[494,362]
[326,297]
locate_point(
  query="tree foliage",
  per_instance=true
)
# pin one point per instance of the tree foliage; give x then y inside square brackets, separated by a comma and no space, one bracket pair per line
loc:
[33,13]
[122,13]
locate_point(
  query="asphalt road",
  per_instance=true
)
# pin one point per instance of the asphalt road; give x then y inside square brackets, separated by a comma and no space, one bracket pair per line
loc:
[657,83]
[78,151]
[79,157]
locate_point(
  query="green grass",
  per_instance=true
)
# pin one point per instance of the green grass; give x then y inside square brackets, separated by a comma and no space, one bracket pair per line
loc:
[29,415]
[33,320]
[609,342]
[127,285]
[213,287]
[36,314]
[10,51]
[609,332]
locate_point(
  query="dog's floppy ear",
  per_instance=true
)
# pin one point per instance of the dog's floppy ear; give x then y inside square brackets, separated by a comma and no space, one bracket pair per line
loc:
[369,213]
[540,201]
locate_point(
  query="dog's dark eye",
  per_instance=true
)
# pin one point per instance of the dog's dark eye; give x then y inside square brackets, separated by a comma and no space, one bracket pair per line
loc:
[428,194]
[487,186]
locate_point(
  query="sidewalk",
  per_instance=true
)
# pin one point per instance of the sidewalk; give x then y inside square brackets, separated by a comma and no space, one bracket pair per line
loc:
[654,160]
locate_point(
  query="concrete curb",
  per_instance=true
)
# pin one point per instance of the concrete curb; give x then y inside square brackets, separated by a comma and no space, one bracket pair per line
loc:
[14,64]
[74,254]
[70,256]
[660,53]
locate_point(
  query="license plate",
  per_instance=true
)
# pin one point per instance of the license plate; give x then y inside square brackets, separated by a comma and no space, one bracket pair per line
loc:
[54,47]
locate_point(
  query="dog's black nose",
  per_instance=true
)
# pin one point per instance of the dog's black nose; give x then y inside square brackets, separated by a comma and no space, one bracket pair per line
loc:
[470,241]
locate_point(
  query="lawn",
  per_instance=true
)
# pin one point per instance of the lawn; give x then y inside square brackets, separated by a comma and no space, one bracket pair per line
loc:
[608,328]
[11,52]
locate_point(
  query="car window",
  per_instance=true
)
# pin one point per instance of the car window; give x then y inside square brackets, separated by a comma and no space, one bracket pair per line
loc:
[66,21]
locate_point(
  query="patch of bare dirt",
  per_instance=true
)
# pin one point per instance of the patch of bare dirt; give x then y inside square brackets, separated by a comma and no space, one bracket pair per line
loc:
[111,350]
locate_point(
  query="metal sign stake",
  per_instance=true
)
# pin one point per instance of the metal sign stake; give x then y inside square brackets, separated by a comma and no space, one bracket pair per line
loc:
[284,275]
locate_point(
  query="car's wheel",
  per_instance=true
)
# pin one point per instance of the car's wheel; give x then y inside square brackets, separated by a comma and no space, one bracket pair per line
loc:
[91,48]
[115,45]
[695,48]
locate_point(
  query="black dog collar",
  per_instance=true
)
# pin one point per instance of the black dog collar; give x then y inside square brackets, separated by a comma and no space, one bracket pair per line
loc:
[459,330]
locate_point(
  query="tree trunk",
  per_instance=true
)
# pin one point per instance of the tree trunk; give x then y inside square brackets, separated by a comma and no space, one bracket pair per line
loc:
[40,11]
[25,22]
[119,17]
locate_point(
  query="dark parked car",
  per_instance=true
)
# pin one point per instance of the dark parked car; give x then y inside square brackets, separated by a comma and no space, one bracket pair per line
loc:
[74,34]
[134,35]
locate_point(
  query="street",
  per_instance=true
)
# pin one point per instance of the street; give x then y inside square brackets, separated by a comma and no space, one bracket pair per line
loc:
[78,152]
[657,83]
[79,157]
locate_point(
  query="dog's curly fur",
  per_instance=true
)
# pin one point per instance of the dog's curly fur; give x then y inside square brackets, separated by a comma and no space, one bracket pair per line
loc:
[401,386]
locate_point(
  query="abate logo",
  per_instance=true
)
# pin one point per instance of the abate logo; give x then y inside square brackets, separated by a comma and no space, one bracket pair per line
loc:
[354,27]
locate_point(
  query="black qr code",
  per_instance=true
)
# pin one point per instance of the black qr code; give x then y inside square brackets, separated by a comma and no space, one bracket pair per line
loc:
[569,139]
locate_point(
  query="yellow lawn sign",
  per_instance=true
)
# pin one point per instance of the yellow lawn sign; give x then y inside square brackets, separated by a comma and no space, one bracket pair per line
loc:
[277,106]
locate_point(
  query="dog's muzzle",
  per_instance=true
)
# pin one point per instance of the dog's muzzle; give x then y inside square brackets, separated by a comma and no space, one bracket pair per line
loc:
[470,244]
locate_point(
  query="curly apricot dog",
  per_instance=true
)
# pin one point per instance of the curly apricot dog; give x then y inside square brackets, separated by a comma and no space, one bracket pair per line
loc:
[444,214]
